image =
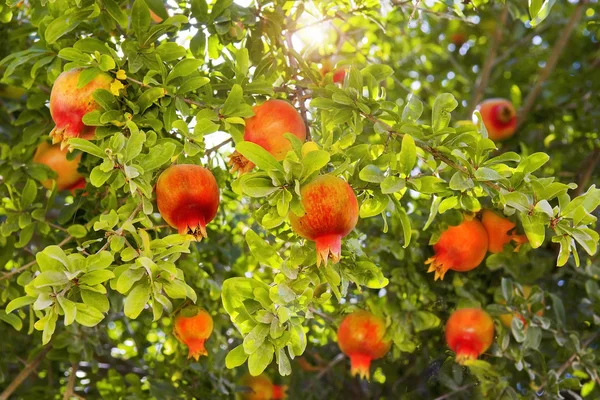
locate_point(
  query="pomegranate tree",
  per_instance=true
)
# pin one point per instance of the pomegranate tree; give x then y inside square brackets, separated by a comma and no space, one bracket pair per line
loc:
[330,213]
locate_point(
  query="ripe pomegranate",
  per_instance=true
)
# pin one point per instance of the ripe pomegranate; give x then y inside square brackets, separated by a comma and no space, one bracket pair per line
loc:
[330,213]
[459,248]
[187,196]
[498,229]
[262,388]
[266,128]
[469,333]
[338,73]
[506,319]
[499,117]
[361,336]
[66,170]
[68,105]
[193,327]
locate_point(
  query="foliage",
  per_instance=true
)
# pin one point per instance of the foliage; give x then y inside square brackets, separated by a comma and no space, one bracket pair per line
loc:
[96,276]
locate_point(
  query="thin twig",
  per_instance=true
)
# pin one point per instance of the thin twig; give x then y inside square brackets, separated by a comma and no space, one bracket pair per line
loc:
[29,368]
[119,231]
[587,168]
[70,390]
[414,11]
[557,50]
[486,71]
[456,391]
[570,361]
[217,147]
[29,264]
[433,151]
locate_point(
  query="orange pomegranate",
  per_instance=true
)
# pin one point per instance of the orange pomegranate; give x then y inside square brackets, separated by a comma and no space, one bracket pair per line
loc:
[266,128]
[69,103]
[193,327]
[338,73]
[262,388]
[498,229]
[499,117]
[469,333]
[66,170]
[330,213]
[459,248]
[361,336]
[507,318]
[187,196]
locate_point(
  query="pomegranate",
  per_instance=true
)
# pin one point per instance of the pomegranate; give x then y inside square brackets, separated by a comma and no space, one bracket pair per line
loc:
[506,319]
[330,213]
[66,170]
[266,128]
[498,229]
[469,333]
[338,73]
[68,105]
[262,388]
[361,336]
[499,117]
[459,248]
[187,196]
[192,327]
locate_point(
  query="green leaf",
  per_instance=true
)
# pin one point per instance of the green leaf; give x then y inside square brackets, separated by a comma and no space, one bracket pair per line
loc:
[236,357]
[115,11]
[371,173]
[255,339]
[50,278]
[542,13]
[235,106]
[314,161]
[97,300]
[29,194]
[69,308]
[11,319]
[260,359]
[374,205]
[184,68]
[263,252]
[379,71]
[487,174]
[140,19]
[96,277]
[392,184]
[443,105]
[87,147]
[136,300]
[150,96]
[533,162]
[406,228]
[19,302]
[65,24]
[413,109]
[259,156]
[408,155]
[134,145]
[87,315]
[534,226]
[77,231]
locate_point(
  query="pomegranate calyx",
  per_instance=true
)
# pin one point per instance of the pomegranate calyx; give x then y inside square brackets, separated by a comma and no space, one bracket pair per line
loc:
[437,266]
[238,162]
[360,365]
[328,246]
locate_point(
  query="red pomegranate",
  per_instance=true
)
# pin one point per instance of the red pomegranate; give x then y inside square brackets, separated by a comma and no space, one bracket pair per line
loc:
[69,103]
[469,333]
[499,231]
[331,212]
[266,128]
[361,336]
[193,327]
[460,248]
[187,196]
[499,117]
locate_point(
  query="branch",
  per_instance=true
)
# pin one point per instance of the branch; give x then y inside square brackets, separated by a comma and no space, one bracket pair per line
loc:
[70,390]
[29,264]
[218,146]
[557,50]
[29,368]
[433,151]
[587,168]
[489,60]
[456,391]
[570,361]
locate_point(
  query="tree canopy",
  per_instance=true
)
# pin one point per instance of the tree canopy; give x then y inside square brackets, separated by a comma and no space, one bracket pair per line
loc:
[391,96]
